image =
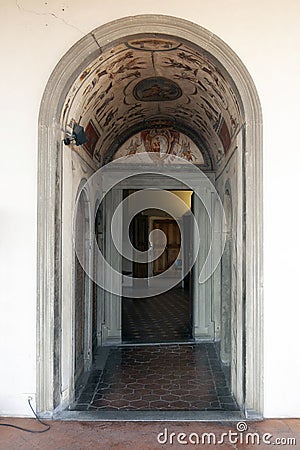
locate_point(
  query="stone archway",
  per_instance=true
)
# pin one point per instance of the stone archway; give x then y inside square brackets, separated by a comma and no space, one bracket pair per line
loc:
[54,385]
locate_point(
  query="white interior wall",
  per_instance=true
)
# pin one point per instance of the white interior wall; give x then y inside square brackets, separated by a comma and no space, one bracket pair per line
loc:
[34,36]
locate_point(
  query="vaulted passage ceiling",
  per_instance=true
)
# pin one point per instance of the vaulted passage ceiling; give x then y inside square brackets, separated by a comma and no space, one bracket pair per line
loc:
[154,83]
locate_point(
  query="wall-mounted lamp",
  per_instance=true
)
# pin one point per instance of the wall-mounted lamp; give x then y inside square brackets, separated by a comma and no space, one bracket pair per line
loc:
[77,136]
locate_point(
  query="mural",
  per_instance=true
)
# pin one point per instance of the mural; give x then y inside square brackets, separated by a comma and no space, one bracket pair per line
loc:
[164,141]
[144,78]
[156,89]
[224,136]
[92,136]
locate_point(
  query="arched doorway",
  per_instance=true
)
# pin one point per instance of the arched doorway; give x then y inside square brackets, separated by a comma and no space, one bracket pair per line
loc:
[228,134]
[82,304]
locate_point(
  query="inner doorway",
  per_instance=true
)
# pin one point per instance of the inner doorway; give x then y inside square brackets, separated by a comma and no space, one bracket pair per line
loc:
[171,250]
[166,317]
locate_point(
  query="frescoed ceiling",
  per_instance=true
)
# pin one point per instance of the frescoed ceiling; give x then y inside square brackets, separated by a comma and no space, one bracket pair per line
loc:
[153,83]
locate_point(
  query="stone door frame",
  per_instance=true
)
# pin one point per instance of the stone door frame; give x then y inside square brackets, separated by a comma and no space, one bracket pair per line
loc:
[49,255]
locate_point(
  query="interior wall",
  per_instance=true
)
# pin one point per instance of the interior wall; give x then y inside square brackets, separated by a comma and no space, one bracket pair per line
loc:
[79,288]
[34,36]
[229,179]
[76,172]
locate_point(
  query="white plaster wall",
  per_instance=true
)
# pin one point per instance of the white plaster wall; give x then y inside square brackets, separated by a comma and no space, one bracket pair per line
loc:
[34,36]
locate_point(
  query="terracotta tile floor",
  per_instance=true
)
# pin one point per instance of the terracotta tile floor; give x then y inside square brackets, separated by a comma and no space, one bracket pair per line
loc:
[160,377]
[162,318]
[138,435]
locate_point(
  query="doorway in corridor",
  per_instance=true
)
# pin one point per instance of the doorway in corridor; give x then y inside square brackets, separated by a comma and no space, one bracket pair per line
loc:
[172,88]
[166,317]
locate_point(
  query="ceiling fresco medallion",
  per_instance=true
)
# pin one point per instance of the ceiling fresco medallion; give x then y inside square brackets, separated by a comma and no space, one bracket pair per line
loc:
[156,89]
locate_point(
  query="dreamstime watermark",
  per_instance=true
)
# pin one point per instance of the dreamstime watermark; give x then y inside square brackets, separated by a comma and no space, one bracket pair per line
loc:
[239,436]
[151,165]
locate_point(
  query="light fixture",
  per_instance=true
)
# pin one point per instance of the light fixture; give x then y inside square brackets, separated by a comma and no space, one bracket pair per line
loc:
[77,135]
